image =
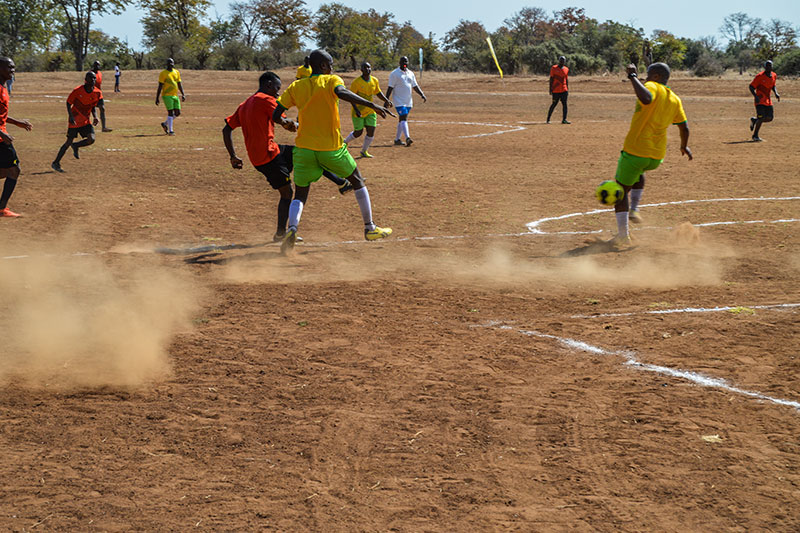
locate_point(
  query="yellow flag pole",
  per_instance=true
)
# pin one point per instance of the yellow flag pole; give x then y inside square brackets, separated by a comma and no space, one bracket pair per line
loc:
[494,56]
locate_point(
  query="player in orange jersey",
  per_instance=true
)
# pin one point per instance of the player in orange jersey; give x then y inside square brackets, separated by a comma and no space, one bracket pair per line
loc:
[761,88]
[559,88]
[9,162]
[81,102]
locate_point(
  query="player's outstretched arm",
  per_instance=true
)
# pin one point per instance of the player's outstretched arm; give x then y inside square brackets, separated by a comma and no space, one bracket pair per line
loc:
[24,124]
[385,97]
[281,120]
[684,128]
[641,91]
[158,91]
[227,138]
[349,96]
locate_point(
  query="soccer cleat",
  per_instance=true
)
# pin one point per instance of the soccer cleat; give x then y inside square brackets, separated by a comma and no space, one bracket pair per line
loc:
[75,152]
[635,217]
[171,133]
[757,139]
[345,187]
[164,125]
[753,121]
[6,212]
[55,166]
[548,122]
[279,235]
[409,142]
[377,233]
[398,142]
[107,130]
[287,245]
[620,242]
[366,154]
[565,121]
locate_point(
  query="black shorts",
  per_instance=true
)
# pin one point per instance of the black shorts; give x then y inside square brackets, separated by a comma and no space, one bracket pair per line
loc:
[765,111]
[560,97]
[83,131]
[278,171]
[8,156]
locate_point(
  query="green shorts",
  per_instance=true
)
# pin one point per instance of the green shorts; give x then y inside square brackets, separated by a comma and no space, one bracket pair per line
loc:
[309,164]
[369,120]
[171,102]
[630,167]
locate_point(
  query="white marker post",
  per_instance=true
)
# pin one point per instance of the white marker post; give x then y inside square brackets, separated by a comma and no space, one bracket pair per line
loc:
[420,64]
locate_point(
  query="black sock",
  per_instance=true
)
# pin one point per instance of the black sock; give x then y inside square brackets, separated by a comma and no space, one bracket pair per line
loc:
[283,214]
[334,178]
[8,188]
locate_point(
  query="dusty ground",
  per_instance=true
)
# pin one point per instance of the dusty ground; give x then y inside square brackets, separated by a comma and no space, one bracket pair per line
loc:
[461,376]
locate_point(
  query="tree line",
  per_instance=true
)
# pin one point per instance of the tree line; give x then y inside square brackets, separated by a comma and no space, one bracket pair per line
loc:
[52,35]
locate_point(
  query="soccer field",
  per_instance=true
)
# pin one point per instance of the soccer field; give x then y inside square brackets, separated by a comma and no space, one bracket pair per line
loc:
[488,367]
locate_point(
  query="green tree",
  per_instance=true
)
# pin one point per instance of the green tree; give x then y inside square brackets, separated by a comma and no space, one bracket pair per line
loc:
[350,35]
[181,17]
[777,37]
[24,24]
[667,48]
[468,41]
[78,16]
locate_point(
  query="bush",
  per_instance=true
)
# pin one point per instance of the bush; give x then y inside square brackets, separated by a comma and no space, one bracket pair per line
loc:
[540,57]
[788,64]
[707,65]
[584,64]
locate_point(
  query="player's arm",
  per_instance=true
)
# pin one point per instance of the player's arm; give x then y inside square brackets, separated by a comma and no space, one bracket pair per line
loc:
[385,98]
[776,93]
[550,88]
[158,91]
[227,138]
[94,113]
[349,96]
[754,93]
[684,129]
[102,107]
[69,113]
[419,92]
[183,95]
[24,124]
[642,93]
[389,92]
[282,120]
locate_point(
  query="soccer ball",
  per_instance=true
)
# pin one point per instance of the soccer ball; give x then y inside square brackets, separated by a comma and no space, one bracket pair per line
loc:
[609,192]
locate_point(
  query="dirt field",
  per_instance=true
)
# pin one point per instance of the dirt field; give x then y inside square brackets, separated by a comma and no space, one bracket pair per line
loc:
[487,368]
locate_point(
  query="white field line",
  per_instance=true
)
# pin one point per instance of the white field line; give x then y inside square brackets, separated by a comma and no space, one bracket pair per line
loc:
[510,127]
[691,310]
[632,361]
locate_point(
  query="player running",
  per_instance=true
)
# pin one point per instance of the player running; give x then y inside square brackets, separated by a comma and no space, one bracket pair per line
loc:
[82,101]
[9,162]
[169,83]
[366,86]
[98,74]
[760,88]
[401,82]
[319,143]
[646,143]
[559,88]
[274,161]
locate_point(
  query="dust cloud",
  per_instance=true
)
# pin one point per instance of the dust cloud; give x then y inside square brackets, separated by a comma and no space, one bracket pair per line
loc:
[72,322]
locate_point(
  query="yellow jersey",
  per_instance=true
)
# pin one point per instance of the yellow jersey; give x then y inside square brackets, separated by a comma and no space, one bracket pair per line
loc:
[647,136]
[318,111]
[366,90]
[170,80]
[303,72]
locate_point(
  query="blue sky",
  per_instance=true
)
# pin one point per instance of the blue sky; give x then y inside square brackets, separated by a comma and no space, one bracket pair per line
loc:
[684,18]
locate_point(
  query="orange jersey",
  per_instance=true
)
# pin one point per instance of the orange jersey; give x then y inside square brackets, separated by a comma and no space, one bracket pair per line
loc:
[99,79]
[82,104]
[254,116]
[559,76]
[763,86]
[4,102]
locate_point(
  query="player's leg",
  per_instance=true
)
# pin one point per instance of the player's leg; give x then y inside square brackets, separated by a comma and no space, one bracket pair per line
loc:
[9,169]
[552,107]
[307,170]
[564,97]
[103,120]
[762,114]
[636,197]
[402,124]
[88,134]
[370,122]
[72,133]
[358,129]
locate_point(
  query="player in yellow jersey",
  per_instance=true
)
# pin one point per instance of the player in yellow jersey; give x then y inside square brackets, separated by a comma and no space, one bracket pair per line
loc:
[319,145]
[169,83]
[366,86]
[304,70]
[646,143]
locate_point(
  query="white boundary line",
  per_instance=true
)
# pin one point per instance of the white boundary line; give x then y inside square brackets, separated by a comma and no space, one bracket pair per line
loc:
[632,361]
[690,310]
[512,127]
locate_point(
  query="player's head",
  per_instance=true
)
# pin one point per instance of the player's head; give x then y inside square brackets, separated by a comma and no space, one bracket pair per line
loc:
[307,61]
[96,66]
[90,79]
[366,69]
[269,83]
[170,63]
[7,69]
[562,61]
[658,72]
[403,63]
[321,62]
[767,66]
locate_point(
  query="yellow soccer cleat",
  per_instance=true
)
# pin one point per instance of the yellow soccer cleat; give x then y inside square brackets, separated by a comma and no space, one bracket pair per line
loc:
[377,233]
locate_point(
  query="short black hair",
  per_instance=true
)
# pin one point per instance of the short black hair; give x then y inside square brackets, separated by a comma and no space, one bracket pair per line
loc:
[268,77]
[661,69]
[4,60]
[318,57]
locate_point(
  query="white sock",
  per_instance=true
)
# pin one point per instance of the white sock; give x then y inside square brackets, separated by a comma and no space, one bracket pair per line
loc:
[362,196]
[622,223]
[367,142]
[636,197]
[349,138]
[399,130]
[405,128]
[295,211]
[170,119]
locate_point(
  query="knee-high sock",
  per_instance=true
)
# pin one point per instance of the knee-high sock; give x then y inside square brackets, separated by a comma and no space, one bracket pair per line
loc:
[283,213]
[362,196]
[8,188]
[636,197]
[295,211]
[405,128]
[622,223]
[350,137]
[170,120]
[400,129]
[367,142]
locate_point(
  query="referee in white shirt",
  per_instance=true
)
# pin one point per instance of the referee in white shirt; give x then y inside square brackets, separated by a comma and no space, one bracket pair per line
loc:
[401,82]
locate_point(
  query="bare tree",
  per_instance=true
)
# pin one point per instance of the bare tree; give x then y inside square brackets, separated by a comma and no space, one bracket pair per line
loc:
[79,15]
[740,27]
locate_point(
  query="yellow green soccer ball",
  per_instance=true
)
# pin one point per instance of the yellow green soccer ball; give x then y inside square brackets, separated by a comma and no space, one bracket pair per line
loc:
[609,192]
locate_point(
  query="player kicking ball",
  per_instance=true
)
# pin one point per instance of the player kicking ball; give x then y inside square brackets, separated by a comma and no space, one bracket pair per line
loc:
[646,143]
[319,144]
[274,161]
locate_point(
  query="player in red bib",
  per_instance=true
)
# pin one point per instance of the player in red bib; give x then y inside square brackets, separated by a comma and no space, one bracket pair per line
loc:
[99,84]
[9,163]
[760,88]
[82,101]
[559,88]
